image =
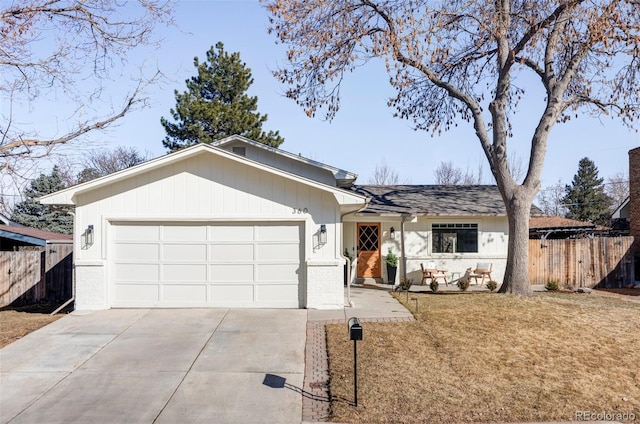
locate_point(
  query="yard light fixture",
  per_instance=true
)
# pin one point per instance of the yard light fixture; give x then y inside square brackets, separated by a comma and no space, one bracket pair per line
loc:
[323,234]
[392,232]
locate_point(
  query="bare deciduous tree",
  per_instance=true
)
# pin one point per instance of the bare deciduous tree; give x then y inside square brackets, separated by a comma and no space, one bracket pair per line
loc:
[47,47]
[459,60]
[617,188]
[549,199]
[384,175]
[98,163]
[448,174]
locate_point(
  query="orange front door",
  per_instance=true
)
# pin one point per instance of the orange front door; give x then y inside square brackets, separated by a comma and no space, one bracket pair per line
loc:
[369,260]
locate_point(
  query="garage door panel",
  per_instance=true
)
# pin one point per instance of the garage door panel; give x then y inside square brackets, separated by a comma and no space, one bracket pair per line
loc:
[276,252]
[140,293]
[181,293]
[231,233]
[231,252]
[184,272]
[184,252]
[137,232]
[137,272]
[278,232]
[137,252]
[222,294]
[184,233]
[277,272]
[273,293]
[232,272]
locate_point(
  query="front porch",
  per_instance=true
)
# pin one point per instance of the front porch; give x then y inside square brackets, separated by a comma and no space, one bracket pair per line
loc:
[453,228]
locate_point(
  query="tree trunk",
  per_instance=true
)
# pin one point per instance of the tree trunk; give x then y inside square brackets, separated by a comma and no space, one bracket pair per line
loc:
[516,277]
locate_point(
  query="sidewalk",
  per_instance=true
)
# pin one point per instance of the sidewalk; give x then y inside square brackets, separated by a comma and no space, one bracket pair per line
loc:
[372,304]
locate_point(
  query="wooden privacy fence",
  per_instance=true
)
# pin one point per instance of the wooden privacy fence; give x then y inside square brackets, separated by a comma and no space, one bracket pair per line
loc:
[19,272]
[38,274]
[605,262]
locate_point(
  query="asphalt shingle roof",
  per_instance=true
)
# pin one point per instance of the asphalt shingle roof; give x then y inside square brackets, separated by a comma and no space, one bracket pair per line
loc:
[434,200]
[552,222]
[9,232]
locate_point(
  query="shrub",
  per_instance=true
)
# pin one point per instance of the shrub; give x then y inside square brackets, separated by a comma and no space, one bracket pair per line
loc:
[406,284]
[434,286]
[552,285]
[392,259]
[463,284]
[492,285]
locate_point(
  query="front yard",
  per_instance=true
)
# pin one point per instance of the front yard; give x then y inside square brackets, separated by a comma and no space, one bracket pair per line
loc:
[492,358]
[17,322]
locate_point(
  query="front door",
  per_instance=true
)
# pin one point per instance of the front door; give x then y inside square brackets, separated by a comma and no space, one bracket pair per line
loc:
[369,260]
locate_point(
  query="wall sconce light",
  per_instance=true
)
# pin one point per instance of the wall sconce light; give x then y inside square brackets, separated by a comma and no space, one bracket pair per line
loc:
[392,232]
[88,236]
[323,234]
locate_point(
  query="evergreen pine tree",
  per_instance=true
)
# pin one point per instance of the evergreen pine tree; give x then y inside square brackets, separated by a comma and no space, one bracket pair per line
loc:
[585,198]
[216,105]
[31,213]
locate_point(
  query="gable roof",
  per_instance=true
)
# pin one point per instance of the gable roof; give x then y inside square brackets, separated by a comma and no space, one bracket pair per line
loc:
[622,211]
[33,235]
[68,195]
[339,174]
[434,200]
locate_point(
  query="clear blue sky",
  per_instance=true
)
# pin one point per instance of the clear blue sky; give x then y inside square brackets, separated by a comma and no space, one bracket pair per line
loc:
[364,132]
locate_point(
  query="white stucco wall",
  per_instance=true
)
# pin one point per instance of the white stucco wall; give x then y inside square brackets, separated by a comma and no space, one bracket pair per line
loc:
[91,286]
[327,290]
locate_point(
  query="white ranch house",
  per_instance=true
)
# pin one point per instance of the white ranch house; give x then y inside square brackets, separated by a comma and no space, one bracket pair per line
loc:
[240,224]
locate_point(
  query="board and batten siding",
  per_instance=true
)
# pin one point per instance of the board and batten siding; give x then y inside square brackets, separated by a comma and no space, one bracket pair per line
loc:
[206,188]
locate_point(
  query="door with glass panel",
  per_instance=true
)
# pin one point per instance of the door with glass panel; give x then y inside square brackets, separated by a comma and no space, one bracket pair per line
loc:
[369,259]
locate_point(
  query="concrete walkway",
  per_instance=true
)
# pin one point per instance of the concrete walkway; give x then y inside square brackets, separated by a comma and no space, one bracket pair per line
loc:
[157,366]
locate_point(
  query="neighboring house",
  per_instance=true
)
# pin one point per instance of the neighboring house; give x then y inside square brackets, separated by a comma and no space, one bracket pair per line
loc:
[634,206]
[5,220]
[622,212]
[240,224]
[555,227]
[17,238]
[208,227]
[456,227]
[620,218]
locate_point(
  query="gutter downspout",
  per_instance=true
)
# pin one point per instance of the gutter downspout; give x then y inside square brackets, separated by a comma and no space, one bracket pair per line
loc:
[349,301]
[404,257]
[73,270]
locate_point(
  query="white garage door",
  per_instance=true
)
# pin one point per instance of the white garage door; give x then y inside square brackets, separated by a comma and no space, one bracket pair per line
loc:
[223,265]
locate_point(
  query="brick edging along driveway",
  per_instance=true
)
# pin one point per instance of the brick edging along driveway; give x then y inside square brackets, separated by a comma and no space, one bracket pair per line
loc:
[316,401]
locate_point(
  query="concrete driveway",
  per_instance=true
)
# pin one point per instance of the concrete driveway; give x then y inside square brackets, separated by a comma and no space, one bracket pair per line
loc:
[157,366]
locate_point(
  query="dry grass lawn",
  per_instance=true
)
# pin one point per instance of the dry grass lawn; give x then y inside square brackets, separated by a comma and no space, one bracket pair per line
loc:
[492,358]
[17,322]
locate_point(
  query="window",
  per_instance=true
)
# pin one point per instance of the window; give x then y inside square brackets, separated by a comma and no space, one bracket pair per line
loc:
[238,150]
[455,238]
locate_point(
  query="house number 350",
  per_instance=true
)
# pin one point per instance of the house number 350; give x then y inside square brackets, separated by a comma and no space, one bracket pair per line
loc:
[300,211]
